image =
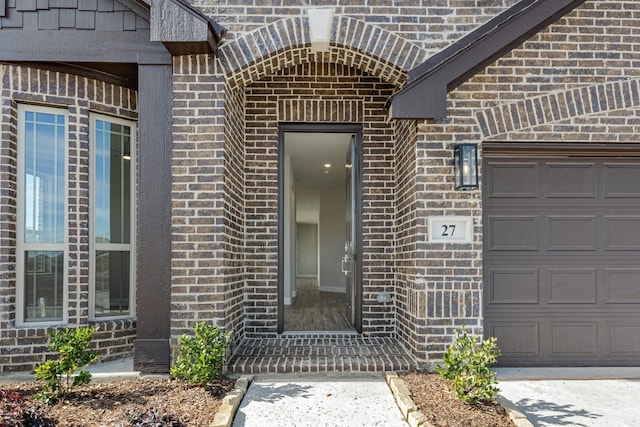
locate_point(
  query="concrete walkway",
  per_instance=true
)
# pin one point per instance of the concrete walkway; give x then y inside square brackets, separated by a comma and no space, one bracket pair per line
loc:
[574,396]
[344,400]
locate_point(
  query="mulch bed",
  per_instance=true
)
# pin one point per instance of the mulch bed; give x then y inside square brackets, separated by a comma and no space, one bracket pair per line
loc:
[435,398]
[117,403]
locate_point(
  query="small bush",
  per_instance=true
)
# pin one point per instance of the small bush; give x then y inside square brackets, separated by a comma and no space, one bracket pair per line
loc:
[466,364]
[153,417]
[59,375]
[202,357]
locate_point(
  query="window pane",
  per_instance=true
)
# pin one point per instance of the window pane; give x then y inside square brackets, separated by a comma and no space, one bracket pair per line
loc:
[112,283]
[44,169]
[43,285]
[112,183]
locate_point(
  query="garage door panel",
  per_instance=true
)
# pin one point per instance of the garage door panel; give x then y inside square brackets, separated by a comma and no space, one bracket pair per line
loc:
[621,180]
[571,286]
[624,339]
[571,233]
[571,180]
[517,339]
[573,339]
[515,286]
[622,233]
[512,180]
[513,233]
[623,286]
[562,269]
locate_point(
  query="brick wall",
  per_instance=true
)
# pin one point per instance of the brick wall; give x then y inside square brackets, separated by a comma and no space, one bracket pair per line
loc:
[22,348]
[431,24]
[235,203]
[409,302]
[198,235]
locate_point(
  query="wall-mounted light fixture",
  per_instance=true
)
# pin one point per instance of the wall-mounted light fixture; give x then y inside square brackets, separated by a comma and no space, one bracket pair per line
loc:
[320,23]
[465,165]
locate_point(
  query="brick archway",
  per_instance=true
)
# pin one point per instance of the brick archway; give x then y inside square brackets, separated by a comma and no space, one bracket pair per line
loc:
[286,43]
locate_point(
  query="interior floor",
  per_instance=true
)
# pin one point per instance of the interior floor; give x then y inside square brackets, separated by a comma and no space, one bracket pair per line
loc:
[313,310]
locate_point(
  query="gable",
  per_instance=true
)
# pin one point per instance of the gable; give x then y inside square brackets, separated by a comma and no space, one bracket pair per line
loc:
[102,15]
[110,37]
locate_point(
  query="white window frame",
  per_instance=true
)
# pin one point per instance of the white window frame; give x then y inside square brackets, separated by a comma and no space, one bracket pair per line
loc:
[21,246]
[93,246]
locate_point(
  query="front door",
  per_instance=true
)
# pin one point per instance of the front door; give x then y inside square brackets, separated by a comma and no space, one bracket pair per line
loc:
[319,229]
[349,260]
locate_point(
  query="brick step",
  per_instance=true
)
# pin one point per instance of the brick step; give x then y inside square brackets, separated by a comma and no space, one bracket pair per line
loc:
[319,354]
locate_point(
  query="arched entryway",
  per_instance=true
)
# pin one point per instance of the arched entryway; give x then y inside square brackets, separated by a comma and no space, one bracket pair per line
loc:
[288,86]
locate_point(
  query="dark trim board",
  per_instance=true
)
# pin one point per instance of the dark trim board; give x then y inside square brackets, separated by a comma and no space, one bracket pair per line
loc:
[154,219]
[320,128]
[76,46]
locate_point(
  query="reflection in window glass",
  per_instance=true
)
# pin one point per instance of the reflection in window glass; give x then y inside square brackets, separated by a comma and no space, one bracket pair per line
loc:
[112,183]
[112,179]
[44,161]
[112,283]
[42,170]
[43,286]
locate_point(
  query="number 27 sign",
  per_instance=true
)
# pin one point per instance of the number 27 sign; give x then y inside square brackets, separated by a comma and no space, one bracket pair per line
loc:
[450,229]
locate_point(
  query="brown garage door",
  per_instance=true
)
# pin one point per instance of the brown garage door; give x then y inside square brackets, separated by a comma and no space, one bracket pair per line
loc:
[562,256]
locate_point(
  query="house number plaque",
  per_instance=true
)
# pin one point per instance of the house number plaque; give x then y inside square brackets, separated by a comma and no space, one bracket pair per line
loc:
[450,229]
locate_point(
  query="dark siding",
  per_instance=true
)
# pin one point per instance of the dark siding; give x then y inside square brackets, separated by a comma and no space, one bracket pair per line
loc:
[103,15]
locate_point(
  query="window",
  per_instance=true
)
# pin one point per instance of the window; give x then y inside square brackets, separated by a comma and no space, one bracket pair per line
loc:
[112,186]
[41,235]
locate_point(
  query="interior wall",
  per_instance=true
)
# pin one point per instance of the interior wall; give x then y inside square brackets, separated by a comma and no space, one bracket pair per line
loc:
[307,205]
[332,232]
[307,250]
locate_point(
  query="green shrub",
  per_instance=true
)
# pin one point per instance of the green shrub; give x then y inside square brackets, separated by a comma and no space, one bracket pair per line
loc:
[202,357]
[59,375]
[466,364]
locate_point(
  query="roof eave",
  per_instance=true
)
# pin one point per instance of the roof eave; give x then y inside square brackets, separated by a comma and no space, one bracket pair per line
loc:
[184,29]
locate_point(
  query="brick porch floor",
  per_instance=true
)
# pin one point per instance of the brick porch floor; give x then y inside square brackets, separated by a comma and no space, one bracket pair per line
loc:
[319,353]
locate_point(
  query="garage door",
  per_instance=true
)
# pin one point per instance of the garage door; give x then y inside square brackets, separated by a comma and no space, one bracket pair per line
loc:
[562,256]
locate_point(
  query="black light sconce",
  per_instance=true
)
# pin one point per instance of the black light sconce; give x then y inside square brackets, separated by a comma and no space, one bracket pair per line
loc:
[465,166]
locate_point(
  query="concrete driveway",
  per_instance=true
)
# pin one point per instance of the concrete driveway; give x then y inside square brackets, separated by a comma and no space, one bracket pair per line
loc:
[574,396]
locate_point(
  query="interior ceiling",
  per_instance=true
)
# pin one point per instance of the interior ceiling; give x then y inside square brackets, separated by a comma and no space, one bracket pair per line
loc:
[309,153]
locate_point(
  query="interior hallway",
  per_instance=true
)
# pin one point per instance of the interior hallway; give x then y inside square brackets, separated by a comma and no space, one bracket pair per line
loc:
[313,310]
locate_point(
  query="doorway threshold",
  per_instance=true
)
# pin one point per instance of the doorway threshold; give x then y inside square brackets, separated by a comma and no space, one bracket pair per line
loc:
[319,334]
[318,353]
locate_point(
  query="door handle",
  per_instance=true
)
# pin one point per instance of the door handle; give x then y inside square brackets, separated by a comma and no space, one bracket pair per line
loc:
[346,263]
